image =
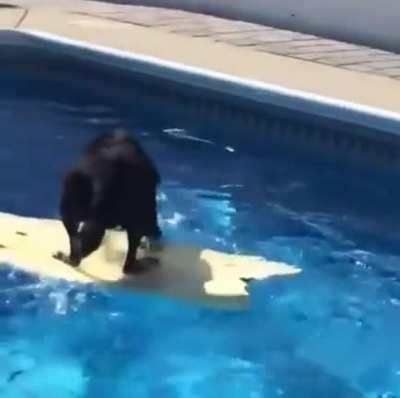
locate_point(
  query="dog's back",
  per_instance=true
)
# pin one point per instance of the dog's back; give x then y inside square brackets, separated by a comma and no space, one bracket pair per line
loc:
[120,152]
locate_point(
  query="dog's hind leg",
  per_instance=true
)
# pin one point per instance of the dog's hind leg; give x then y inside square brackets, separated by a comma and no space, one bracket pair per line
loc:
[91,235]
[131,264]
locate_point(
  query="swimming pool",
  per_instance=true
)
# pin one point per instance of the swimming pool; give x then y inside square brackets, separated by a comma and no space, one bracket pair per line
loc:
[231,184]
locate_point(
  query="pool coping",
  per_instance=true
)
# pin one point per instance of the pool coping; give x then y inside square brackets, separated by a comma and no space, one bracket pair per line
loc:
[254,90]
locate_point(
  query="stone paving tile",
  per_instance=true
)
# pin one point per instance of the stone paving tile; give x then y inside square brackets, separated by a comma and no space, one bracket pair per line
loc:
[236,26]
[218,32]
[339,46]
[318,49]
[259,38]
[384,64]
[206,28]
[314,51]
[391,72]
[349,59]
[142,19]
[222,33]
[360,68]
[359,52]
[308,43]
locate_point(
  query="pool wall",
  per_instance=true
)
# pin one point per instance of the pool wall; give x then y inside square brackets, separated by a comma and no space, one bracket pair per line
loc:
[347,126]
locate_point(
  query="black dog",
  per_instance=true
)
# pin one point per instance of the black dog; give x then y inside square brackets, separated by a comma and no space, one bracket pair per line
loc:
[113,185]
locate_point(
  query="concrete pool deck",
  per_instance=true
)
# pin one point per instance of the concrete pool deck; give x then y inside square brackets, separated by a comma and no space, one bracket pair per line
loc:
[293,60]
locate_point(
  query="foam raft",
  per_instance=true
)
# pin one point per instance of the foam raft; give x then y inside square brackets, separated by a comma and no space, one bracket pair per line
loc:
[184,272]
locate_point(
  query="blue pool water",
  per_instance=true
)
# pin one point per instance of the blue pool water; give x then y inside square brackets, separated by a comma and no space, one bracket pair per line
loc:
[330,332]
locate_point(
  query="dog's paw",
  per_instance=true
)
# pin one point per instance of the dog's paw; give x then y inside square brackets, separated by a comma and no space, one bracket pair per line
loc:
[60,256]
[65,259]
